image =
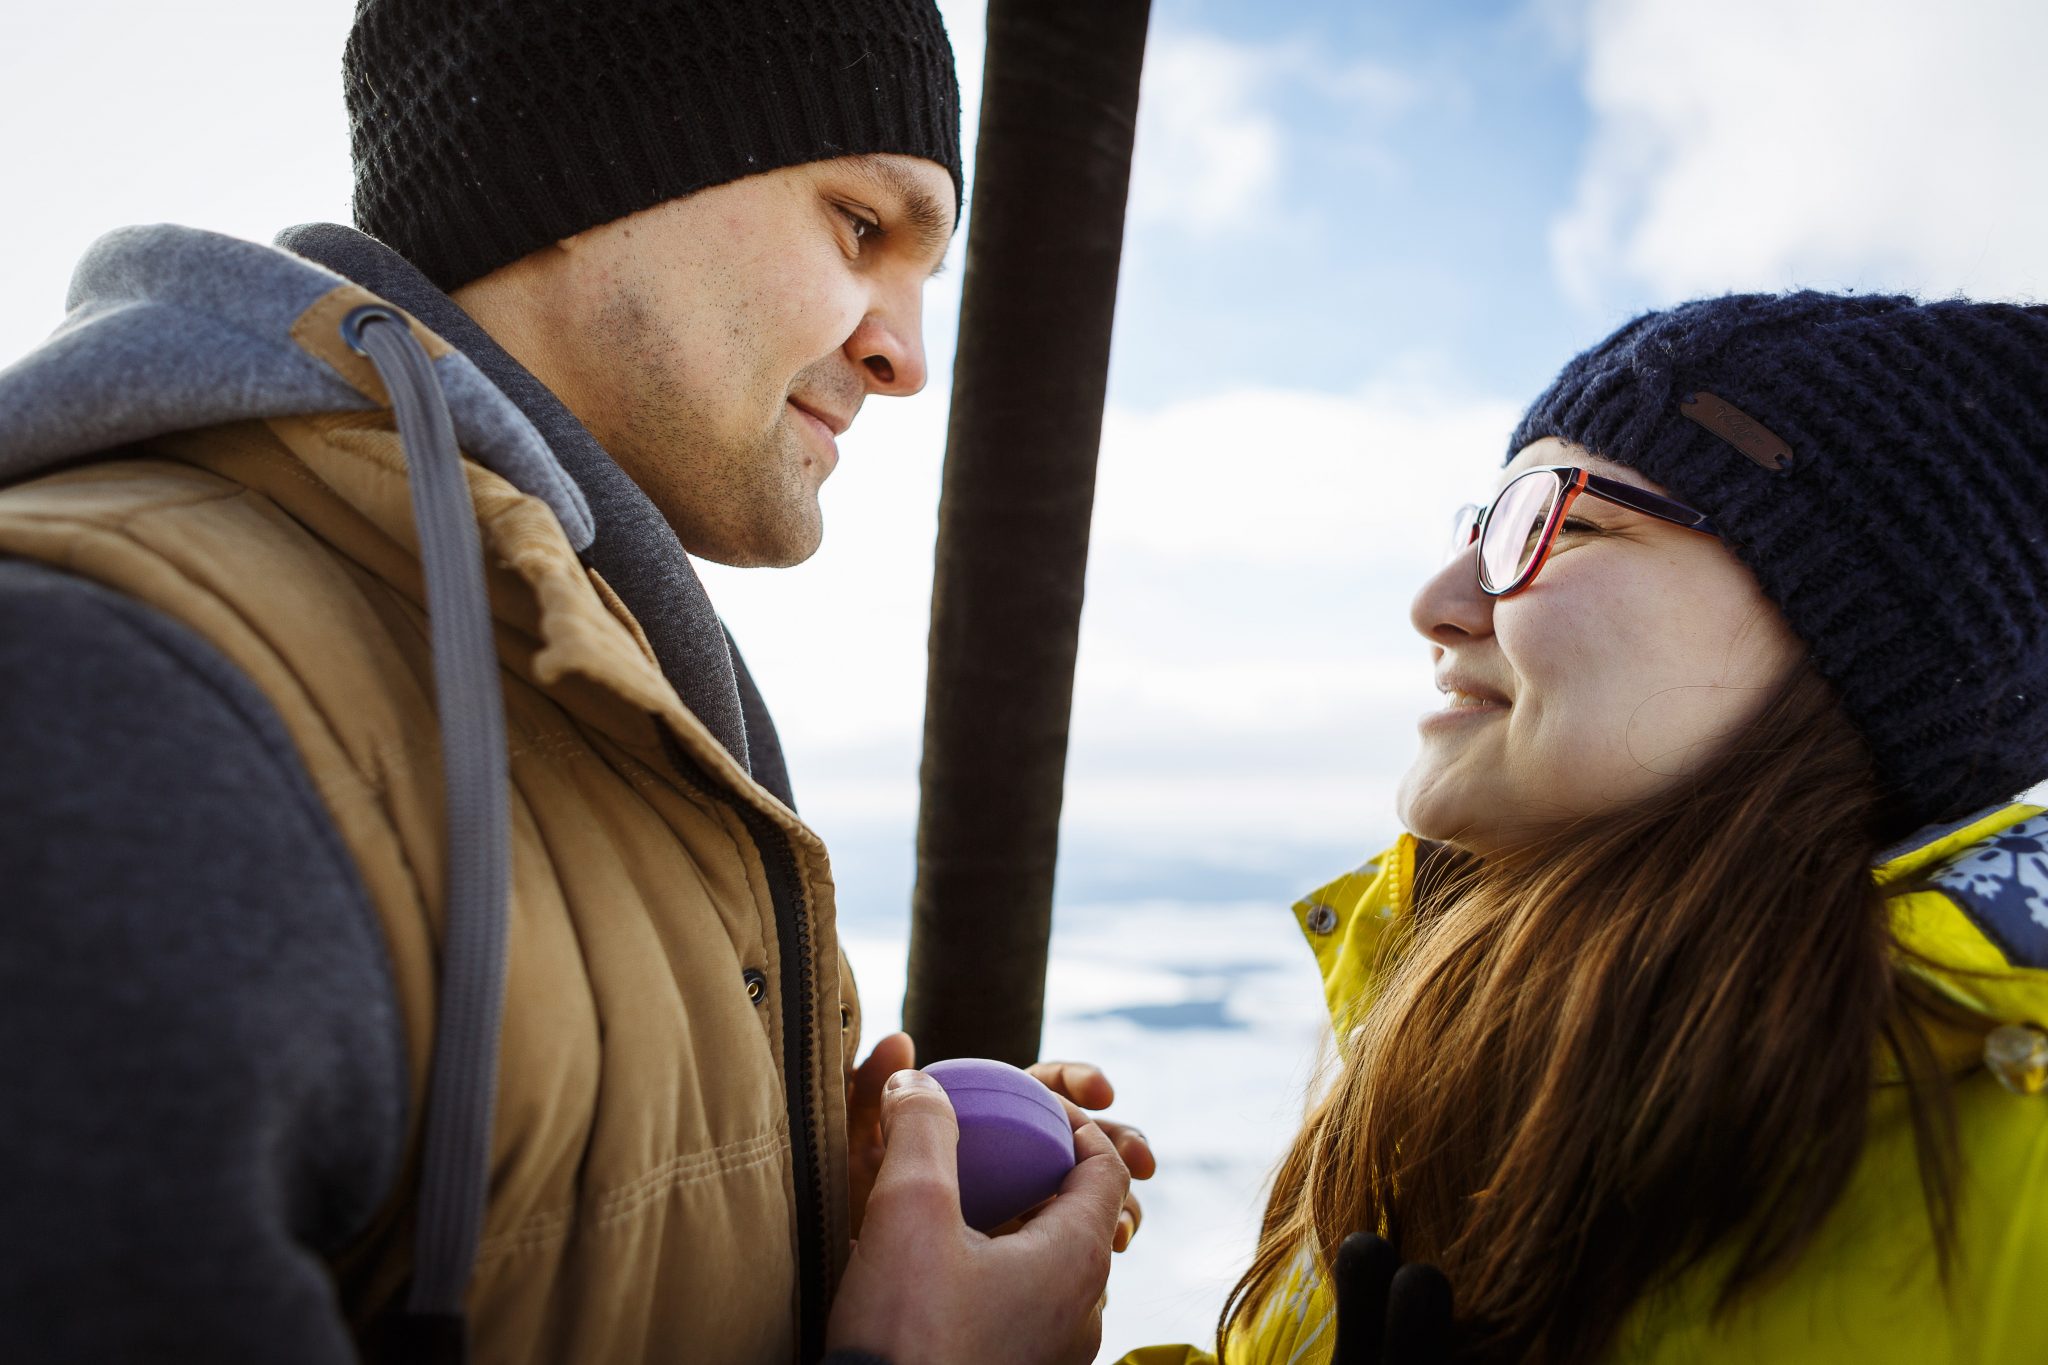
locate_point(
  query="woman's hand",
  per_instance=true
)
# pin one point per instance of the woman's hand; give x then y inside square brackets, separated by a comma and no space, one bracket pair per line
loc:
[1083,1084]
[1389,1312]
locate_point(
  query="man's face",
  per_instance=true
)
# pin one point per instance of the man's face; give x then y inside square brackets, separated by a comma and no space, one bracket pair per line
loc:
[722,341]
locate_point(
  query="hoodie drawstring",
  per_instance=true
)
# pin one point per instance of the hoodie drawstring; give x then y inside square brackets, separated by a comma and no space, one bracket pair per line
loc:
[462,1084]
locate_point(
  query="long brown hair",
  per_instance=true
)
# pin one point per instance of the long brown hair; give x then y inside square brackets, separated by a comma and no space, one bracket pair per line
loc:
[1592,1062]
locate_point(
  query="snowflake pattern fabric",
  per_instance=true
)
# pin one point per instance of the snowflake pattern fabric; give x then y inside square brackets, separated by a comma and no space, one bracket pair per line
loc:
[2002,885]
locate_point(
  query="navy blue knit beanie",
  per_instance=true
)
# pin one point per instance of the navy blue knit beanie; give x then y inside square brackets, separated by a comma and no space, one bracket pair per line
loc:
[483,130]
[1882,467]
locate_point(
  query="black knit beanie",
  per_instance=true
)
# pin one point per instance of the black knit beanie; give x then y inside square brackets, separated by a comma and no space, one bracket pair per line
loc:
[483,130]
[1882,466]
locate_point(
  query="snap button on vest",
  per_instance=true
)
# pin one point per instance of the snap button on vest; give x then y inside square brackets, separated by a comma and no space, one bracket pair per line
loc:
[1321,918]
[757,983]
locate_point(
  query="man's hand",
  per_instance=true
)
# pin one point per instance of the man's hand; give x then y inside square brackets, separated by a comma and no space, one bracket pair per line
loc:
[1083,1084]
[864,1118]
[924,1287]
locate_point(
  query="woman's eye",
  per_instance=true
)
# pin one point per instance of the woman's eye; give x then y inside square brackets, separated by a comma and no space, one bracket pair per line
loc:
[1573,526]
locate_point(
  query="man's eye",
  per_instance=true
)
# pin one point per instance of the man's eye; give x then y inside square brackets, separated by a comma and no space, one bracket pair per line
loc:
[1574,526]
[863,227]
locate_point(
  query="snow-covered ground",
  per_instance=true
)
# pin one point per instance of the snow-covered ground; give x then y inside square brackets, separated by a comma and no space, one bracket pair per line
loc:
[1209,1019]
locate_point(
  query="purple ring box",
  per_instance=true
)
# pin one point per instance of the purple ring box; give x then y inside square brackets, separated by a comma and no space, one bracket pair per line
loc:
[1016,1145]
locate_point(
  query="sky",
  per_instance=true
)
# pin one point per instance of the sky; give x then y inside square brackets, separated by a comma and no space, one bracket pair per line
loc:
[1361,238]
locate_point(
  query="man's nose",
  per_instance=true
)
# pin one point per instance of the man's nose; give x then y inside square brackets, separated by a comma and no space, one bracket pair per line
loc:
[889,347]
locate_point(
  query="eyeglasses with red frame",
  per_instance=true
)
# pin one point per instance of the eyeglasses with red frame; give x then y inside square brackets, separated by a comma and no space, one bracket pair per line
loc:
[1515,531]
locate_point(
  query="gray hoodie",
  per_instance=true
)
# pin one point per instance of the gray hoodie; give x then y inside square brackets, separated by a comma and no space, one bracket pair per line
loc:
[204,1073]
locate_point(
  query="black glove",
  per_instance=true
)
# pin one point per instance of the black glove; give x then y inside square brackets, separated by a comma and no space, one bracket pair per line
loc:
[1388,1312]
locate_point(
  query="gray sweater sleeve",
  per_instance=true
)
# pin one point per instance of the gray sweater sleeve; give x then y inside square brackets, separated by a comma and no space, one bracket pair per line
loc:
[202,1077]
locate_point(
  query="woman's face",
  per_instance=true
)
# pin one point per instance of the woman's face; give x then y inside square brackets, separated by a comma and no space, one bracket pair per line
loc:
[1638,649]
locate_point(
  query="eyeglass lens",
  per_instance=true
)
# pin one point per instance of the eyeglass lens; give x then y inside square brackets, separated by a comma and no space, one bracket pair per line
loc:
[1514,528]
[1463,527]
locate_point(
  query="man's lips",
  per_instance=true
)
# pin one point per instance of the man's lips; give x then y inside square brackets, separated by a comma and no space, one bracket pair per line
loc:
[835,425]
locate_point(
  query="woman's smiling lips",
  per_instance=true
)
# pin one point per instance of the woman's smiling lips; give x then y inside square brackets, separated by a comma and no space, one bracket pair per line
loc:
[1465,700]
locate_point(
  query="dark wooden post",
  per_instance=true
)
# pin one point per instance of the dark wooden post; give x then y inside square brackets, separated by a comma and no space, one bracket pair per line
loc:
[1052,170]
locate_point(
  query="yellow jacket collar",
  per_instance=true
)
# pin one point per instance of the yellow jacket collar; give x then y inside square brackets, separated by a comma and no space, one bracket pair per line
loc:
[1969,906]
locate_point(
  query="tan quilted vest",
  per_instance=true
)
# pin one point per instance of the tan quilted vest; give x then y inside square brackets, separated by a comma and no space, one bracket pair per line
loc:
[647,1190]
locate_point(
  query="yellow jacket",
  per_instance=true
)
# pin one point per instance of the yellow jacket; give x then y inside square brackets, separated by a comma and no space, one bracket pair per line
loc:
[1974,900]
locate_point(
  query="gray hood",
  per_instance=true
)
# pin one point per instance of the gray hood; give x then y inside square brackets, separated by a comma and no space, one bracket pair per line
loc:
[171,328]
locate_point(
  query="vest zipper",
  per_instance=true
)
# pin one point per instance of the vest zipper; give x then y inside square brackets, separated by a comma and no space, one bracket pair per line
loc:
[799,1018]
[799,1021]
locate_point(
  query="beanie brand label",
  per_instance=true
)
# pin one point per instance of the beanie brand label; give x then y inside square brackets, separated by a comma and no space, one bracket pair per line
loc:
[1738,429]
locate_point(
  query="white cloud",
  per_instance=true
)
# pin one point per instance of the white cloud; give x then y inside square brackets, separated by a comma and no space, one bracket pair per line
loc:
[1296,478]
[1212,147]
[1208,152]
[1247,669]
[1839,143]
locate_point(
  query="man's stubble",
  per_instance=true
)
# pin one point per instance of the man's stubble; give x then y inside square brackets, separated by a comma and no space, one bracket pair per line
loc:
[726,465]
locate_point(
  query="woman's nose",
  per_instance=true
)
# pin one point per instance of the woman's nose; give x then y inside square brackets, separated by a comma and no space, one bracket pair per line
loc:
[1451,606]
